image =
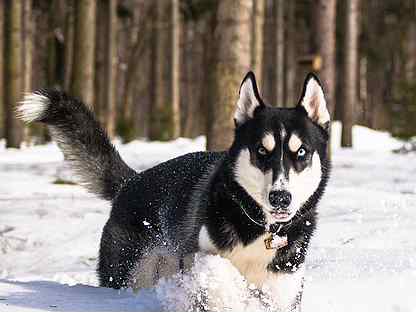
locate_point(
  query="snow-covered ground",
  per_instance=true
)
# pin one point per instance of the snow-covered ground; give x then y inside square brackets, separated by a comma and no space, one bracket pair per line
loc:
[363,257]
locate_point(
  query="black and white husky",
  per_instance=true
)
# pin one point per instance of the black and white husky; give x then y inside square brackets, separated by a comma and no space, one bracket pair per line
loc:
[254,204]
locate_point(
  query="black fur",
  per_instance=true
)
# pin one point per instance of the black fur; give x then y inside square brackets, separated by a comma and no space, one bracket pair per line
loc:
[165,206]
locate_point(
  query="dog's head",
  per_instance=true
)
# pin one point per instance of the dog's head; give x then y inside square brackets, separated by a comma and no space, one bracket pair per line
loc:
[280,153]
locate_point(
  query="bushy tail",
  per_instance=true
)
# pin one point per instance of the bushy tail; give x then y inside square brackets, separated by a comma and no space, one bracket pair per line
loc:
[79,135]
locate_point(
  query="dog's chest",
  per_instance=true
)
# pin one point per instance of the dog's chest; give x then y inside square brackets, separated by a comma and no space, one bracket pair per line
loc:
[251,260]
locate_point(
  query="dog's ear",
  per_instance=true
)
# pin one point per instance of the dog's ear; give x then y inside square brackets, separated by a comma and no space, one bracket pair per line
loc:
[249,100]
[313,101]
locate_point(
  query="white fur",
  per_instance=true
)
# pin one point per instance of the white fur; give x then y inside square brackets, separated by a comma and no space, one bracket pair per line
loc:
[294,143]
[314,102]
[32,107]
[303,184]
[252,260]
[204,241]
[247,102]
[254,181]
[284,288]
[269,142]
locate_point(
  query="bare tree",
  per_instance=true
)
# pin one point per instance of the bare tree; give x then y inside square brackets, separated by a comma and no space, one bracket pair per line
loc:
[82,82]
[69,44]
[257,42]
[176,31]
[350,71]
[280,49]
[28,28]
[2,100]
[106,64]
[165,114]
[290,54]
[232,60]
[325,39]
[273,53]
[13,71]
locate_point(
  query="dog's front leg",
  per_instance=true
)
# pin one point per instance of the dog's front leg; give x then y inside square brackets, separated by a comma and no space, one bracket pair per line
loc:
[285,290]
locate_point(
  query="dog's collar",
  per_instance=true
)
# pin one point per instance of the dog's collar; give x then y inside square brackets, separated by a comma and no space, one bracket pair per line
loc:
[278,231]
[276,240]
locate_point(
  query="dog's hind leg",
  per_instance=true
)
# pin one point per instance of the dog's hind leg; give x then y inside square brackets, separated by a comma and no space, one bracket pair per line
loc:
[153,265]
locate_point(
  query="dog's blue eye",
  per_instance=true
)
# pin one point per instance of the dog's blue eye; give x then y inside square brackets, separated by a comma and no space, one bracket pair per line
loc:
[301,153]
[262,151]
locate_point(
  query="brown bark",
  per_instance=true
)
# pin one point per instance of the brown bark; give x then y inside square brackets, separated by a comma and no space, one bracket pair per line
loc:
[257,25]
[325,38]
[350,71]
[165,115]
[410,64]
[269,51]
[273,53]
[13,71]
[69,44]
[82,83]
[111,61]
[106,64]
[28,28]
[280,48]
[28,45]
[290,90]
[190,91]
[100,66]
[176,22]
[141,41]
[232,60]
[2,39]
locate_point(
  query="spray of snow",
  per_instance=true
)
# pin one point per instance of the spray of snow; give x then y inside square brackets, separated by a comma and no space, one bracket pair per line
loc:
[213,284]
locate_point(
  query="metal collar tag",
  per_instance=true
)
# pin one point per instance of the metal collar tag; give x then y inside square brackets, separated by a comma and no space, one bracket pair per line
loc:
[275,241]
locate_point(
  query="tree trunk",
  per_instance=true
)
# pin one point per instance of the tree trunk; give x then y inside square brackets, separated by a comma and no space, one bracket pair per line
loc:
[69,44]
[325,39]
[280,49]
[28,28]
[325,20]
[191,87]
[55,53]
[111,62]
[13,71]
[100,50]
[350,71]
[268,78]
[2,100]
[290,90]
[410,52]
[28,45]
[257,25]
[106,64]
[176,22]
[231,62]
[82,83]
[165,115]
[273,53]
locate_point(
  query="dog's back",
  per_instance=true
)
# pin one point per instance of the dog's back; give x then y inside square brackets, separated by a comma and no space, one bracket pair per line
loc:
[146,205]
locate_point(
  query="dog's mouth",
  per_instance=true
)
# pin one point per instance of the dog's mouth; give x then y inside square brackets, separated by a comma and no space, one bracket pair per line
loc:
[281,216]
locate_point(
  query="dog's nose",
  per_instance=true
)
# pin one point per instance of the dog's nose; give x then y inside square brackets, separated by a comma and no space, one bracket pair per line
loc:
[280,199]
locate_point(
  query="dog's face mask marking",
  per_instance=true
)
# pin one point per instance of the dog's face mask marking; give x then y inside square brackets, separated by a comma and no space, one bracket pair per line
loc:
[278,151]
